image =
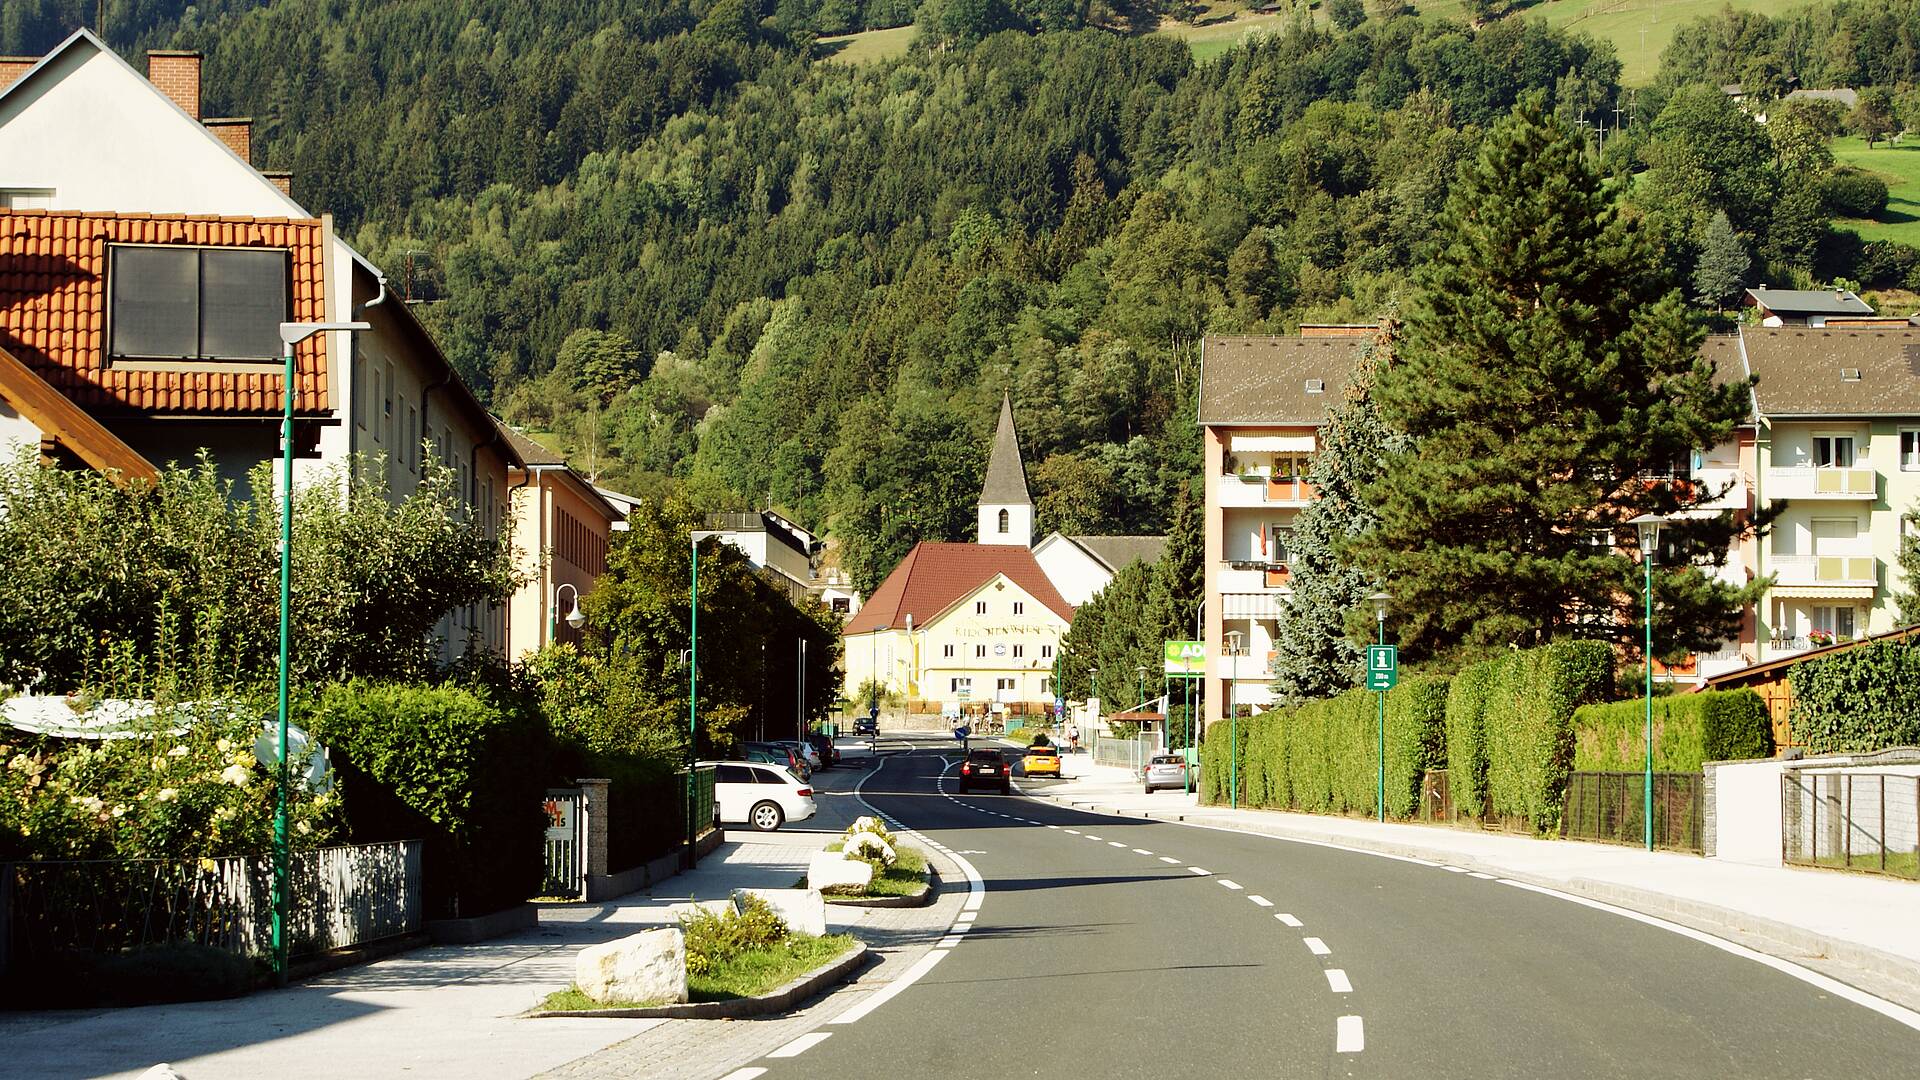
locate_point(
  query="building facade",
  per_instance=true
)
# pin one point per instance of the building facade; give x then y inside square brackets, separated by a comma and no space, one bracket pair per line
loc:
[563,527]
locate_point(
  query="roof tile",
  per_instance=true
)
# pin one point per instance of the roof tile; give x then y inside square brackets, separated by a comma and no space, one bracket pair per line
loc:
[935,574]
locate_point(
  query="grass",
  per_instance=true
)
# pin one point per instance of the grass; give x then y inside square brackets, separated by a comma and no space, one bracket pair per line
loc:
[749,974]
[1899,166]
[1899,863]
[867,47]
[904,878]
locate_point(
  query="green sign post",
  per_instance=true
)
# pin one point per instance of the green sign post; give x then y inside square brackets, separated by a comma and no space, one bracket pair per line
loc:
[1186,660]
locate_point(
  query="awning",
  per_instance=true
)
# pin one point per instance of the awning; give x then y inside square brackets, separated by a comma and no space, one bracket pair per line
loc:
[1822,592]
[1250,605]
[1241,444]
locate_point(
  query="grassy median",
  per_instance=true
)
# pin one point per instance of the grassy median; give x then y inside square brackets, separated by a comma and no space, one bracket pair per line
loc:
[747,974]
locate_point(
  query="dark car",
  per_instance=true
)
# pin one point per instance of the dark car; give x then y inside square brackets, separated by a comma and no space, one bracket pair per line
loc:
[829,754]
[985,768]
[866,725]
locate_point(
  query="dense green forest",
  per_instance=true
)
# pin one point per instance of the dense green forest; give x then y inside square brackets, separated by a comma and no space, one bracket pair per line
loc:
[661,234]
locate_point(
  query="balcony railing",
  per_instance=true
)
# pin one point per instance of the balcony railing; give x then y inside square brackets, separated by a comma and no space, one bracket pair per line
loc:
[1854,570]
[1811,482]
[1256,489]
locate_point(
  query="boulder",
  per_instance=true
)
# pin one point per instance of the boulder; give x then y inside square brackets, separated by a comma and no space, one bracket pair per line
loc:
[829,870]
[802,910]
[869,846]
[648,967]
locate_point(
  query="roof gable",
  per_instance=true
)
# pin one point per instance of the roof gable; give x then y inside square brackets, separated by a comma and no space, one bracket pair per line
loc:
[935,574]
[960,602]
[1116,553]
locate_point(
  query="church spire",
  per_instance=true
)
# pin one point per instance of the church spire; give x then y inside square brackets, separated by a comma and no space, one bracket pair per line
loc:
[1006,510]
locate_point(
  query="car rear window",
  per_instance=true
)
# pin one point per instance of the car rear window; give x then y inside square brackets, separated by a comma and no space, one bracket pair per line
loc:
[1166,759]
[768,776]
[983,755]
[733,774]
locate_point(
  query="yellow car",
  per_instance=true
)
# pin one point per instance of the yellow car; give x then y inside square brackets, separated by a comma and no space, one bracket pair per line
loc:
[1042,760]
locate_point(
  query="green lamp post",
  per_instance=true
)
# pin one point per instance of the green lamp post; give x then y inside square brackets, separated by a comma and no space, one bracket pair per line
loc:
[1233,722]
[1380,601]
[1648,526]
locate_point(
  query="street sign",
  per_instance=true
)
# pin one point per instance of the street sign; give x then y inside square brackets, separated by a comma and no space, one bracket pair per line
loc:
[961,733]
[1185,660]
[1383,667]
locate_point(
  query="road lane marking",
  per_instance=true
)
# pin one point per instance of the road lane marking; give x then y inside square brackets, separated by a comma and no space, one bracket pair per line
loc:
[1230,884]
[1350,1036]
[1337,981]
[1053,826]
[887,993]
[1090,836]
[1315,946]
[745,1074]
[966,916]
[1455,869]
[1888,1009]
[1197,870]
[1115,843]
[1141,851]
[802,1044]
[1261,900]
[1075,832]
[949,942]
[1481,876]
[1172,861]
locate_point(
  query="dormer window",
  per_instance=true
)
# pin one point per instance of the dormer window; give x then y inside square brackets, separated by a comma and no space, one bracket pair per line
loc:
[1005,521]
[186,303]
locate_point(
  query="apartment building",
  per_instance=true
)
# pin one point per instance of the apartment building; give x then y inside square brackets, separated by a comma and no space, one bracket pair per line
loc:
[563,526]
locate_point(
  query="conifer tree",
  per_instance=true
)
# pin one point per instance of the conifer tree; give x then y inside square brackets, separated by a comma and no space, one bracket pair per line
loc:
[1548,374]
[1723,264]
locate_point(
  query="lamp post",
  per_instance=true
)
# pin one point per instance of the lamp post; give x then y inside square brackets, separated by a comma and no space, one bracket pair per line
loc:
[693,687]
[1380,601]
[1140,684]
[1233,722]
[1648,526]
[873,672]
[575,618]
[291,334]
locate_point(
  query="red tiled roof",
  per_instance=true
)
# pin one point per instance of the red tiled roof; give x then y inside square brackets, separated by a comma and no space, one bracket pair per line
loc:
[935,574]
[53,311]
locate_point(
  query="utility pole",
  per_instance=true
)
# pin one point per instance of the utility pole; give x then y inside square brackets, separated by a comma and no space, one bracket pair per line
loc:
[800,702]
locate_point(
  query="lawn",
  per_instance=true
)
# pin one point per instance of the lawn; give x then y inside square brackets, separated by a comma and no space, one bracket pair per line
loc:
[749,974]
[866,47]
[1899,166]
[904,878]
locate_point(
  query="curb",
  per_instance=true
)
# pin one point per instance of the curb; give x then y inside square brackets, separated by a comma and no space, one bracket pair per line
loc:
[774,1001]
[918,899]
[1783,937]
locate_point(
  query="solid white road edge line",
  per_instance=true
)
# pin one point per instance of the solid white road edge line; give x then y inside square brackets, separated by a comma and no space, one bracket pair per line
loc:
[1337,981]
[1896,1013]
[802,1044]
[1315,946]
[745,1074]
[1350,1035]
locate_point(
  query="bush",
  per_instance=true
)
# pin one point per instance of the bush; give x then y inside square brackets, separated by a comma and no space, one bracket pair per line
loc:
[1886,263]
[449,766]
[1416,739]
[1529,725]
[713,938]
[1466,721]
[1864,699]
[1853,193]
[1688,729]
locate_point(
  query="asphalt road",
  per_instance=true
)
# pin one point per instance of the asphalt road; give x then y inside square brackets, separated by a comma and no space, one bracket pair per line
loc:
[1091,958]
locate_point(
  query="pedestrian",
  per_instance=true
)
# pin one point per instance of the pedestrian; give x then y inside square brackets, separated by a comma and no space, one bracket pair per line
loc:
[1073,737]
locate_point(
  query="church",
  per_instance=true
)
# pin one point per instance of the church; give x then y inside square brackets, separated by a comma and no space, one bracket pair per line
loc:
[967,628]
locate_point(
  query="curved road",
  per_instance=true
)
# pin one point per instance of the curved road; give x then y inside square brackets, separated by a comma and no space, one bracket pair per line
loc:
[1121,947]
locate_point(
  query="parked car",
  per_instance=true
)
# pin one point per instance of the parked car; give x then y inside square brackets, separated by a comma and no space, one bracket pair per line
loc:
[1043,759]
[794,760]
[985,768]
[762,796]
[829,753]
[1164,771]
[866,725]
[806,750]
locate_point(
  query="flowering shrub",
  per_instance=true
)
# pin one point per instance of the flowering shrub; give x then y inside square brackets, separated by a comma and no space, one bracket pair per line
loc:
[714,938]
[197,794]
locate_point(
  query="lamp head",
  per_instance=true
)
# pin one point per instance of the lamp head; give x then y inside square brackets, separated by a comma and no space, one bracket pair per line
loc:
[1649,526]
[576,618]
[1380,601]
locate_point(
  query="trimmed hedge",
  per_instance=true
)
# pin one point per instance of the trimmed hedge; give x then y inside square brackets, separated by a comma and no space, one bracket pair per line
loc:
[1466,756]
[1688,729]
[1531,699]
[449,766]
[1864,699]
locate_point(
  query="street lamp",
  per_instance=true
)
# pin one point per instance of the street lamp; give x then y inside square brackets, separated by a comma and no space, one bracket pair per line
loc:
[1380,601]
[693,686]
[1233,722]
[1648,526]
[1140,683]
[575,618]
[291,334]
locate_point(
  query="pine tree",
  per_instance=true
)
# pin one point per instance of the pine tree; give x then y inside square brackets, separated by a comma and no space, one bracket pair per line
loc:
[1723,264]
[1909,559]
[1547,373]
[1315,656]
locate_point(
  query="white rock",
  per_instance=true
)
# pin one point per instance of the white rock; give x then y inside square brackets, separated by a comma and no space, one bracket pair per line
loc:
[828,870]
[650,967]
[802,910]
[869,846]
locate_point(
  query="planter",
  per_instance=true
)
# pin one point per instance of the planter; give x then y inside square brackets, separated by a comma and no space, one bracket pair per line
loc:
[919,898]
[779,1000]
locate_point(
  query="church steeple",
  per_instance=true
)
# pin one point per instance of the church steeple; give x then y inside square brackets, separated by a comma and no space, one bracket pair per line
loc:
[1006,510]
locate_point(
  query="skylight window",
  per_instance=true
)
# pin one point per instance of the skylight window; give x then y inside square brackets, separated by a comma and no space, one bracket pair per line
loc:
[186,303]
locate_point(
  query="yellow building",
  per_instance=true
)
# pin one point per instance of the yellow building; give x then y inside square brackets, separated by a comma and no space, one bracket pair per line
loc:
[562,526]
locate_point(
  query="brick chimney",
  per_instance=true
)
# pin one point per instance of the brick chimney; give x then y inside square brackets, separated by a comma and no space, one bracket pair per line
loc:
[177,75]
[281,180]
[12,67]
[236,132]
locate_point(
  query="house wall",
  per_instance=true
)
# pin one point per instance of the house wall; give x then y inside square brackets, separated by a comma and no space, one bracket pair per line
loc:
[16,432]
[1076,575]
[562,536]
[1240,519]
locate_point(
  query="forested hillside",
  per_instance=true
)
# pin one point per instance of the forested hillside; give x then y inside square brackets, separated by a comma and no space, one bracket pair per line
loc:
[666,237]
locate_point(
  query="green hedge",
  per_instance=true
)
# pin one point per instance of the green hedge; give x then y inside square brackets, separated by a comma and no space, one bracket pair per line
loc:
[1466,720]
[1531,698]
[450,766]
[1688,729]
[1860,700]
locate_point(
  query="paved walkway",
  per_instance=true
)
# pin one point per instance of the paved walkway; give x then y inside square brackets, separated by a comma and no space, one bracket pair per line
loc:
[1855,926]
[445,1011]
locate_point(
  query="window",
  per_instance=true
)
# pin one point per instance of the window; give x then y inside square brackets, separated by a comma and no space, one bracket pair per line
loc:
[1277,541]
[962,683]
[1019,607]
[946,651]
[842,606]
[1835,536]
[768,776]
[1003,684]
[1910,449]
[413,438]
[732,774]
[1838,621]
[979,651]
[979,607]
[1046,687]
[176,303]
[1004,520]
[1833,451]
[26,199]
[1046,652]
[1019,651]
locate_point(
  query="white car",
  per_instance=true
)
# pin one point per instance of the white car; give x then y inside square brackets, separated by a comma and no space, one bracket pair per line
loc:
[804,749]
[762,796]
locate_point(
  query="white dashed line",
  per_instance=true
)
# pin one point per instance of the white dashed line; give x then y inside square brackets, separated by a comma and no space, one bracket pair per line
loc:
[949,942]
[1229,883]
[1053,826]
[1197,870]
[1090,836]
[745,1074]
[967,916]
[1075,832]
[1337,981]
[1115,843]
[1169,860]
[1261,900]
[1350,1036]
[802,1044]
[1315,946]
[1141,851]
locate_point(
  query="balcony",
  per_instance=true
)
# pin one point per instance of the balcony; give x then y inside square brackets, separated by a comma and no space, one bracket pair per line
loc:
[1256,489]
[1712,479]
[1827,485]
[1847,571]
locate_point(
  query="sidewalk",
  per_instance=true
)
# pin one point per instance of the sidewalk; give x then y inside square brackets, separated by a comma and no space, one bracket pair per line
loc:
[445,1011]
[1865,926]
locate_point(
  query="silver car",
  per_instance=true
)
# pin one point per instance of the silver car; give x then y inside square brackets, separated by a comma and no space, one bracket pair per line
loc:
[1164,771]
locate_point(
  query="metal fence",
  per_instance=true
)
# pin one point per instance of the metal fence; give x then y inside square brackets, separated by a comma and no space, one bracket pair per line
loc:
[1852,820]
[1611,807]
[1126,753]
[340,896]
